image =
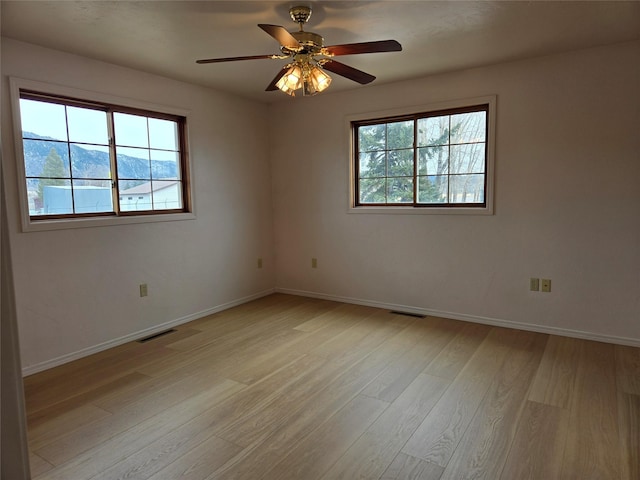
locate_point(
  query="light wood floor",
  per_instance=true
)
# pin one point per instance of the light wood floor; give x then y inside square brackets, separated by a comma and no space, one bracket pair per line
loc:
[288,387]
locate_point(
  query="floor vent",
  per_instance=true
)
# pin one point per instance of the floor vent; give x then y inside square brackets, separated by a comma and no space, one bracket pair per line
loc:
[153,337]
[408,314]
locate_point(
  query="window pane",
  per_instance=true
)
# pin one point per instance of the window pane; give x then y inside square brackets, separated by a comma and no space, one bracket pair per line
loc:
[131,130]
[433,160]
[133,163]
[56,197]
[92,196]
[134,195]
[467,158]
[372,164]
[433,131]
[468,127]
[165,164]
[432,189]
[46,159]
[163,134]
[400,135]
[90,161]
[400,163]
[87,126]
[166,195]
[372,190]
[466,189]
[400,190]
[372,137]
[43,119]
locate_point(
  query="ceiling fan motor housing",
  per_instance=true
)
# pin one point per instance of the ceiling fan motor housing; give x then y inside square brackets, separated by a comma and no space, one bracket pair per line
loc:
[312,42]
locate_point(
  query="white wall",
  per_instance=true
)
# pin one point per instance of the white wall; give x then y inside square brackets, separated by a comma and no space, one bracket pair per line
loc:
[77,290]
[567,201]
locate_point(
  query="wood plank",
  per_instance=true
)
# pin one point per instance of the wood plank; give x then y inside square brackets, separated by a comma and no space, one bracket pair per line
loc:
[253,369]
[375,450]
[319,450]
[401,372]
[168,449]
[406,467]
[93,434]
[452,359]
[199,462]
[628,369]
[437,437]
[592,449]
[114,449]
[39,465]
[482,453]
[58,426]
[538,447]
[258,422]
[336,313]
[69,386]
[267,451]
[556,376]
[629,424]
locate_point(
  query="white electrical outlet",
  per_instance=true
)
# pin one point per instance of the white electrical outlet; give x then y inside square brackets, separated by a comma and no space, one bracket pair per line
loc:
[143,290]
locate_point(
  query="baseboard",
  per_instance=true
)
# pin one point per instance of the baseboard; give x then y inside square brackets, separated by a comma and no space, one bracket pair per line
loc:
[39,367]
[632,342]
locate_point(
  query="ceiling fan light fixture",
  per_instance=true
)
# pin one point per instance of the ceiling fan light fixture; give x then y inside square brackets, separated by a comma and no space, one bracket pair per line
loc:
[306,76]
[291,80]
[318,79]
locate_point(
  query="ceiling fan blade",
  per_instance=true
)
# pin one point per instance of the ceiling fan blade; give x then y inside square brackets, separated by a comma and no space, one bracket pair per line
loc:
[281,35]
[364,47]
[348,72]
[235,59]
[276,79]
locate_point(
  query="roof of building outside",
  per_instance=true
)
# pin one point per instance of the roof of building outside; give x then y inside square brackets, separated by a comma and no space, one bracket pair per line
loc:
[147,187]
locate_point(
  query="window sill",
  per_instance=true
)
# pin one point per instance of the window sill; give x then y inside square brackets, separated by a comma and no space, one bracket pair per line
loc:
[64,224]
[420,211]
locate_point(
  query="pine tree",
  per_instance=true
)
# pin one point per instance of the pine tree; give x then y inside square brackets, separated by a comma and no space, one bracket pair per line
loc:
[53,172]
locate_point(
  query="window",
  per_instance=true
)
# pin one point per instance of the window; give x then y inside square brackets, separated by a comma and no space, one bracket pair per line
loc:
[87,159]
[431,160]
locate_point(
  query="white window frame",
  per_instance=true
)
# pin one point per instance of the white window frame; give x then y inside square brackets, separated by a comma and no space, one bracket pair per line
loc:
[488,209]
[29,225]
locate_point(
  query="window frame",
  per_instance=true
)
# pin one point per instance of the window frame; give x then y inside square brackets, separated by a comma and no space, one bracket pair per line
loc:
[413,113]
[88,99]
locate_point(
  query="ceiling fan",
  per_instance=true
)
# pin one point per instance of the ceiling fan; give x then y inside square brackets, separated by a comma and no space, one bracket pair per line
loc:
[310,57]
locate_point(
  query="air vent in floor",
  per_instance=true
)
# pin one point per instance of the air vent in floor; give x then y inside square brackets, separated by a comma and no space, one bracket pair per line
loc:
[407,314]
[154,336]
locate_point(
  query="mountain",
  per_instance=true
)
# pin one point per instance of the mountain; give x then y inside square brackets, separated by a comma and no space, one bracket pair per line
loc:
[88,163]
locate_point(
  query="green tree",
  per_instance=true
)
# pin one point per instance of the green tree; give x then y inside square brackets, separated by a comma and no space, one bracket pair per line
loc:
[386,162]
[53,172]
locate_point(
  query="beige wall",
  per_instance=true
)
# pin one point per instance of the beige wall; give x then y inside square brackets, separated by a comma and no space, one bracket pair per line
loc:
[567,201]
[77,290]
[566,208]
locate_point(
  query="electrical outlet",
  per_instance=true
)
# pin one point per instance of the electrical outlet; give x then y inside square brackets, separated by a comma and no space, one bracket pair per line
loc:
[143,290]
[314,263]
[534,284]
[259,263]
[545,285]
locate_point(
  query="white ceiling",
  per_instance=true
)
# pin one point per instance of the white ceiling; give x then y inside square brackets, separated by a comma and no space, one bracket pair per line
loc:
[166,37]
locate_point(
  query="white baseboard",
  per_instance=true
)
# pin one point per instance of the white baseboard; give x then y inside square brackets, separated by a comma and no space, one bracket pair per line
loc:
[632,342]
[147,332]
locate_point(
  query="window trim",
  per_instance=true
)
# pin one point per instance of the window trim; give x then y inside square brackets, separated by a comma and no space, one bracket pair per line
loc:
[88,98]
[399,113]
